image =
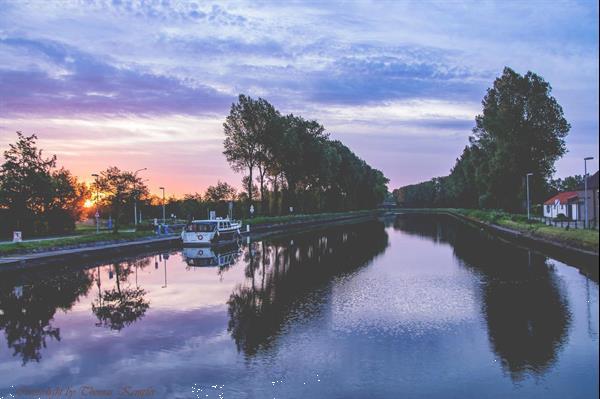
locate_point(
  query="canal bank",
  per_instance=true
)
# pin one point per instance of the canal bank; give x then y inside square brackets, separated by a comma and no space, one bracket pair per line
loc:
[562,250]
[105,250]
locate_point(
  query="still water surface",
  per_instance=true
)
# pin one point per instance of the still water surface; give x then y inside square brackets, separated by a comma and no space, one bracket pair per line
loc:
[409,306]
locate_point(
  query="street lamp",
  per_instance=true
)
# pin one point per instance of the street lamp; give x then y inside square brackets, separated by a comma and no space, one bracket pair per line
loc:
[585,179]
[97,215]
[135,216]
[164,218]
[528,202]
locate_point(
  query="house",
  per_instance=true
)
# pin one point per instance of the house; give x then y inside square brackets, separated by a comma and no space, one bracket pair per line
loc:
[571,204]
[565,203]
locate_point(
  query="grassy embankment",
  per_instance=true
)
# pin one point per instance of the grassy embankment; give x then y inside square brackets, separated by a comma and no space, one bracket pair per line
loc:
[65,242]
[580,238]
[305,217]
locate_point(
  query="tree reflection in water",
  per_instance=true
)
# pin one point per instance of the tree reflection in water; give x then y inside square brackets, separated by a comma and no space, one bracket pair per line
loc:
[289,277]
[523,301]
[121,306]
[28,306]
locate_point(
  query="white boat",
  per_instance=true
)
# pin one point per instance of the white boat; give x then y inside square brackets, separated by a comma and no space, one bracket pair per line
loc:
[209,256]
[211,231]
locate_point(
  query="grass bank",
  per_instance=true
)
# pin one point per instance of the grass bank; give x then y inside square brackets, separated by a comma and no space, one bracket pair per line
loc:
[259,220]
[578,238]
[66,242]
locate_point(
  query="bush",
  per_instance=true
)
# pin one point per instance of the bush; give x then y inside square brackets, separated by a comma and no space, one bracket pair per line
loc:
[561,217]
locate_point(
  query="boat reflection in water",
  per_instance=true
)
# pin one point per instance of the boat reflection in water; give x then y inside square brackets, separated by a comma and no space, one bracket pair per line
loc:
[221,256]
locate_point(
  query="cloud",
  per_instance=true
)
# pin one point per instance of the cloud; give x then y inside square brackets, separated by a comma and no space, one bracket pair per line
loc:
[364,69]
[86,85]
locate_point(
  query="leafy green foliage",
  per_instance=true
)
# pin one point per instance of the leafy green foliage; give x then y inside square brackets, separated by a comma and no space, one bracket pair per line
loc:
[118,188]
[521,130]
[306,171]
[35,197]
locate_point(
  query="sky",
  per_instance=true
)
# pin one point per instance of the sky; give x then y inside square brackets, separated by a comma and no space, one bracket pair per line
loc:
[149,84]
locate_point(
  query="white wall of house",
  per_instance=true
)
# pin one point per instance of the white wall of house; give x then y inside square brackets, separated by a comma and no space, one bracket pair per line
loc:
[552,211]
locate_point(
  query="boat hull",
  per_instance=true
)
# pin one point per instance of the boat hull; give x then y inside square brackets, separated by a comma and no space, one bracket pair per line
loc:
[207,239]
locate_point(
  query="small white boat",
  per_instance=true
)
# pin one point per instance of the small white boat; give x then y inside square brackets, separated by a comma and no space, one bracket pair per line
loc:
[211,231]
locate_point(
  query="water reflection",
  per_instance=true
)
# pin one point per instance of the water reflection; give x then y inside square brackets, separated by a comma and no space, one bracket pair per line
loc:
[522,299]
[289,277]
[27,309]
[223,256]
[121,306]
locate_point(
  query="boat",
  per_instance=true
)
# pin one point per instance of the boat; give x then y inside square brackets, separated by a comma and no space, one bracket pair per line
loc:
[210,256]
[211,232]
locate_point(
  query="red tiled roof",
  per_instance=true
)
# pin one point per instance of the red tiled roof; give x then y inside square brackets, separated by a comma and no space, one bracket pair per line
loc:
[562,198]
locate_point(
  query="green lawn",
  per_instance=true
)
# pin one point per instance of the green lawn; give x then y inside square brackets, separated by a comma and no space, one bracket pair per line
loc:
[585,239]
[21,247]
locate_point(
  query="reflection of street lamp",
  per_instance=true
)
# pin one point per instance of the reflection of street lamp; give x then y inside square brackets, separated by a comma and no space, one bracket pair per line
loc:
[135,216]
[163,190]
[165,265]
[585,179]
[97,215]
[528,202]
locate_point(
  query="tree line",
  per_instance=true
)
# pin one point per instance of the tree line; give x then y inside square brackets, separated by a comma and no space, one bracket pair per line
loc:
[291,165]
[520,131]
[297,166]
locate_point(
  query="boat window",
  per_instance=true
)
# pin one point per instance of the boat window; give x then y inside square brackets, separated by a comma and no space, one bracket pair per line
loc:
[200,227]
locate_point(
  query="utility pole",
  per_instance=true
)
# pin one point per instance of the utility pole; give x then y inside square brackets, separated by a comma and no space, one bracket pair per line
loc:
[135,216]
[585,200]
[163,204]
[528,201]
[97,215]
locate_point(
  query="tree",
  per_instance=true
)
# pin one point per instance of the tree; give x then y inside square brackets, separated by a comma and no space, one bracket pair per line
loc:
[295,156]
[521,130]
[245,128]
[191,206]
[35,197]
[117,189]
[220,192]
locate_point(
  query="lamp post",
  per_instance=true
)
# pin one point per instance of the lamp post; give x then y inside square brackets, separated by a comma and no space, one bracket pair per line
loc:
[528,202]
[97,215]
[135,218]
[164,217]
[585,179]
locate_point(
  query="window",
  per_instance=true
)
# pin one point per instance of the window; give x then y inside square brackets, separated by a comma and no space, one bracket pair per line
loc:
[200,227]
[547,208]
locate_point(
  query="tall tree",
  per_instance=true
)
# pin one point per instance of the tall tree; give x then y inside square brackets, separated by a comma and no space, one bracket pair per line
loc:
[246,128]
[118,188]
[521,130]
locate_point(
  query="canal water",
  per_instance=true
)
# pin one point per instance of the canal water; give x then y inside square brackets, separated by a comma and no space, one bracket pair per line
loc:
[410,306]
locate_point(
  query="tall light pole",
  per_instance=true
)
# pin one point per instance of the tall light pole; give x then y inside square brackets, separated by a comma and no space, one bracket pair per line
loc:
[135,217]
[585,179]
[97,215]
[164,217]
[528,202]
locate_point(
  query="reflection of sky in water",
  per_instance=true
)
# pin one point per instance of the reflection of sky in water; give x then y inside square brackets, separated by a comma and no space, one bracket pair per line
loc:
[363,313]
